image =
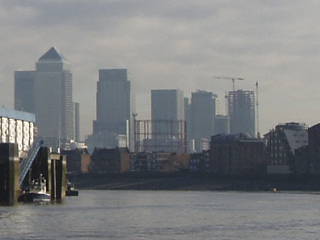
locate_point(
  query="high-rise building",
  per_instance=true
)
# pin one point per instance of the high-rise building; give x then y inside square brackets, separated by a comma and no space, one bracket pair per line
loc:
[48,94]
[168,120]
[167,104]
[24,91]
[221,124]
[113,103]
[203,112]
[241,109]
[77,122]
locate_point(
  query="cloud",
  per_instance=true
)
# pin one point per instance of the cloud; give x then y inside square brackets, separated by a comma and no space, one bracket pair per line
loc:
[173,44]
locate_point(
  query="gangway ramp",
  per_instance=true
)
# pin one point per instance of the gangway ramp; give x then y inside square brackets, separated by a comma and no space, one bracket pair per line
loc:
[26,163]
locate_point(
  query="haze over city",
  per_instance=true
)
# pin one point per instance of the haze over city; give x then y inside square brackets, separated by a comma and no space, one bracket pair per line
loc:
[167,45]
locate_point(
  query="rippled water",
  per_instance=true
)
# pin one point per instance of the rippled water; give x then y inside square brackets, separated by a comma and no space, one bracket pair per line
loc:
[167,215]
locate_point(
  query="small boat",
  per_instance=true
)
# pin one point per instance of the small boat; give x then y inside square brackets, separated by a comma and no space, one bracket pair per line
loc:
[71,191]
[36,193]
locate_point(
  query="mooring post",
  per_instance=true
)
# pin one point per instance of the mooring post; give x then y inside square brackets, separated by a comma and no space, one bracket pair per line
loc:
[9,174]
[58,173]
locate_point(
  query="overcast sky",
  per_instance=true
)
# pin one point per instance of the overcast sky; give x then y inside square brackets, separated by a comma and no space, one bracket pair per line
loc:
[173,44]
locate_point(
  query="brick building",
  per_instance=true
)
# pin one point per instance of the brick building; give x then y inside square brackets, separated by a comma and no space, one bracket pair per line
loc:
[116,160]
[281,145]
[78,160]
[236,154]
[159,162]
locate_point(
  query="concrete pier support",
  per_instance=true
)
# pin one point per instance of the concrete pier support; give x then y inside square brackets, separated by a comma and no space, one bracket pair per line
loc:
[53,168]
[58,176]
[9,174]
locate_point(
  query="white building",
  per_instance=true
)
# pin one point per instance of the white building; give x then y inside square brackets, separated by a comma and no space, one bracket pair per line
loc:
[17,127]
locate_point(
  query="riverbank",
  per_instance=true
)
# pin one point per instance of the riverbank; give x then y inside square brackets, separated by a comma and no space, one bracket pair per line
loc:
[194,182]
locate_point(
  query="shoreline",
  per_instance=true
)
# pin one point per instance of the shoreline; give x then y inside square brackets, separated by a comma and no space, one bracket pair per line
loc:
[190,182]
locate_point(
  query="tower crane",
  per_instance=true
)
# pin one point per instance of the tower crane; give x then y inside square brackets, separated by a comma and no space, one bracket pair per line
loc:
[257,104]
[230,78]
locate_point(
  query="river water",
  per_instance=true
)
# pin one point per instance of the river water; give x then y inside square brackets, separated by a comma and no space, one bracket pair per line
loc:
[167,215]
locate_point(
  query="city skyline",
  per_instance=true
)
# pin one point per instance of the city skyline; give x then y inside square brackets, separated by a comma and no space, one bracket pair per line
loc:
[181,45]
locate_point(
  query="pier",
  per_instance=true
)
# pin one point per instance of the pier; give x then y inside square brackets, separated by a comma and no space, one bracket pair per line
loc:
[23,158]
[51,165]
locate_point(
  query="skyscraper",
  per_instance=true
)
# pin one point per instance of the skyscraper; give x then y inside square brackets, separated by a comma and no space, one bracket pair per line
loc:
[241,108]
[203,112]
[24,91]
[49,90]
[167,104]
[113,103]
[221,124]
[168,120]
[77,122]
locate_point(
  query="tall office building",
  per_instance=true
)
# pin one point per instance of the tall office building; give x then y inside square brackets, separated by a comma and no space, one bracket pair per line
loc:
[168,120]
[24,91]
[241,109]
[48,94]
[113,110]
[77,122]
[167,105]
[221,124]
[203,112]
[113,102]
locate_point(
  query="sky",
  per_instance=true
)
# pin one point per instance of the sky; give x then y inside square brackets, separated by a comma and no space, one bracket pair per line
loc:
[176,44]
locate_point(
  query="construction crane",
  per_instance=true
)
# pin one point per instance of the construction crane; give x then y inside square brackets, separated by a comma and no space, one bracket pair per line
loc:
[257,104]
[230,78]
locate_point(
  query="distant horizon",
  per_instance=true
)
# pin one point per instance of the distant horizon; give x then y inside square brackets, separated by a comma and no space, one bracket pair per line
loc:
[178,45]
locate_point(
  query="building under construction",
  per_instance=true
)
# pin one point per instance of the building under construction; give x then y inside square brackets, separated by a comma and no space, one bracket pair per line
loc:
[241,109]
[160,136]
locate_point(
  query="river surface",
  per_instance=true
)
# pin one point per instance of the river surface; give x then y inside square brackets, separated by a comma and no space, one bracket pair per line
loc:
[167,215]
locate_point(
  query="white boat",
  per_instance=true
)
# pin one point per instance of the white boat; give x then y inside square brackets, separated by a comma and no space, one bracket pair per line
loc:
[36,193]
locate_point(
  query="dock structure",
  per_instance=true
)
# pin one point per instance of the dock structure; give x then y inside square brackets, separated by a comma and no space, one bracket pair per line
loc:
[23,159]
[51,165]
[9,173]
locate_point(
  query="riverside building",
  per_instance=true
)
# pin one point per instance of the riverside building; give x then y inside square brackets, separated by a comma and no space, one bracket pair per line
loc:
[17,127]
[281,145]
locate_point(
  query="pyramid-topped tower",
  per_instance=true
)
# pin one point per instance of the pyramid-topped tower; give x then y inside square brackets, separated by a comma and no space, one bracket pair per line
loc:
[48,93]
[52,54]
[52,60]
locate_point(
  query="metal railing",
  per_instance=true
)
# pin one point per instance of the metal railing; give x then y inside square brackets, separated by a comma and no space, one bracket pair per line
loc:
[28,160]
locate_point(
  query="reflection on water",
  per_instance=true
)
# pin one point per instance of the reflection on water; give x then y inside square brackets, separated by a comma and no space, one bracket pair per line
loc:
[166,215]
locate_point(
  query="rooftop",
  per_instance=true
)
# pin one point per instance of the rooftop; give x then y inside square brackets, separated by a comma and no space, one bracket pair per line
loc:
[52,54]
